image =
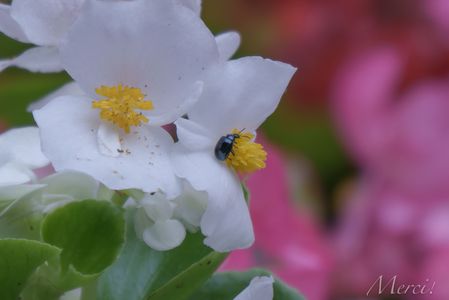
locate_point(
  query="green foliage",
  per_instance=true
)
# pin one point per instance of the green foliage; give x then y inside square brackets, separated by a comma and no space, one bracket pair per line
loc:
[226,286]
[90,234]
[18,260]
[142,273]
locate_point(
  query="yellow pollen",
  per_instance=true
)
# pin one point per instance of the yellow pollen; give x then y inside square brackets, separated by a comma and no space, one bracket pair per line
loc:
[247,156]
[121,104]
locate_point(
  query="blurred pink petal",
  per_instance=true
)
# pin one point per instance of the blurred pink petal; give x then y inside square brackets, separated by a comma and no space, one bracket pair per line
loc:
[373,239]
[439,11]
[44,171]
[288,242]
[402,136]
[435,274]
[385,231]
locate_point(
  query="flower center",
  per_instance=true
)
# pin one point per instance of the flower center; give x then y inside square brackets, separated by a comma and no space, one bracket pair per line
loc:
[121,104]
[246,156]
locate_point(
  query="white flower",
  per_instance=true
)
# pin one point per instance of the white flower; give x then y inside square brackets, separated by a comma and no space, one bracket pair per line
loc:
[20,154]
[237,98]
[140,65]
[260,288]
[39,22]
[227,44]
[162,223]
[44,23]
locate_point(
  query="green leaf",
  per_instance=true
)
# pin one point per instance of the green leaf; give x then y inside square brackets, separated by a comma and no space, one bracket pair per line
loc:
[48,283]
[23,216]
[18,260]
[143,273]
[226,286]
[90,234]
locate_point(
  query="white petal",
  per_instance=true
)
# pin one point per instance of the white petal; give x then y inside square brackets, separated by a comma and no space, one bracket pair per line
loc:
[226,222]
[194,137]
[260,288]
[228,43]
[158,119]
[190,207]
[37,59]
[77,186]
[157,207]
[54,203]
[194,5]
[45,21]
[69,137]
[13,192]
[9,26]
[164,235]
[13,173]
[71,88]
[24,146]
[141,222]
[75,294]
[4,64]
[241,94]
[108,139]
[11,195]
[160,47]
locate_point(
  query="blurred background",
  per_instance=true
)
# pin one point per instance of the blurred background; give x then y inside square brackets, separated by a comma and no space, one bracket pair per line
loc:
[357,181]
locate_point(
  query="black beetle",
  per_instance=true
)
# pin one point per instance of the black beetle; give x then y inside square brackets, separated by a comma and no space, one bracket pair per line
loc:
[225,145]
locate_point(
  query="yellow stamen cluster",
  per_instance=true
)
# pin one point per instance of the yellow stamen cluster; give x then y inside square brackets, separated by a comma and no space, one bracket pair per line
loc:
[121,104]
[247,156]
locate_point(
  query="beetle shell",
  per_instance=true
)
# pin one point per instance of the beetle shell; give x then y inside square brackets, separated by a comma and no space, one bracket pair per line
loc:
[224,146]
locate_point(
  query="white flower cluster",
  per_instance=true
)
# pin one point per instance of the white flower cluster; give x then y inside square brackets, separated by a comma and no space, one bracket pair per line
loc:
[138,66]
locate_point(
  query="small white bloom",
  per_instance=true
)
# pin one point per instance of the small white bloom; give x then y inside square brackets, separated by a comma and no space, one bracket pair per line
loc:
[162,223]
[260,288]
[237,98]
[42,23]
[140,65]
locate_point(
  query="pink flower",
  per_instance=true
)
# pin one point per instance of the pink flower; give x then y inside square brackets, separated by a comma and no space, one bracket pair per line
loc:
[288,241]
[374,239]
[388,232]
[438,10]
[401,135]
[395,121]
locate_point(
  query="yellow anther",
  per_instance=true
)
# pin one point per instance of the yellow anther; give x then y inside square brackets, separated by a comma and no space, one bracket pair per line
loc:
[121,106]
[246,156]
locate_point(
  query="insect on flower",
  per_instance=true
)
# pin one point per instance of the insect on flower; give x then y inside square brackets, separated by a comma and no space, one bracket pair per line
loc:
[225,145]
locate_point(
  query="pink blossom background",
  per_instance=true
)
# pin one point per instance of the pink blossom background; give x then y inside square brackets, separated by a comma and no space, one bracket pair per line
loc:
[366,125]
